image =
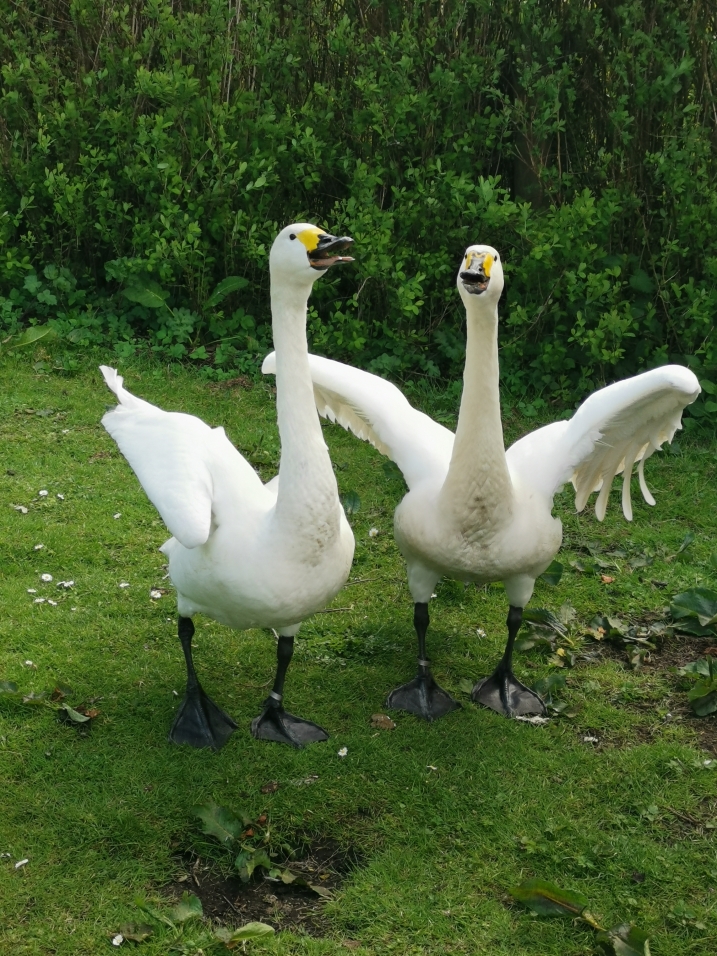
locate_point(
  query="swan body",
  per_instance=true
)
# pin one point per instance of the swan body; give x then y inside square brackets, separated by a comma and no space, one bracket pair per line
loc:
[244,553]
[473,511]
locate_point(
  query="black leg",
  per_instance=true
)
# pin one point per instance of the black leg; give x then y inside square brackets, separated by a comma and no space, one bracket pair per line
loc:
[199,722]
[502,691]
[276,724]
[422,696]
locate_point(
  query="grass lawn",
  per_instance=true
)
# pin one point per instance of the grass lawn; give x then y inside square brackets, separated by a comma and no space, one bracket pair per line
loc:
[440,820]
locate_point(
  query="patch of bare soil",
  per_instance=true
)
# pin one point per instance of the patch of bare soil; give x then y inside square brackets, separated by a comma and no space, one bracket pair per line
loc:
[228,901]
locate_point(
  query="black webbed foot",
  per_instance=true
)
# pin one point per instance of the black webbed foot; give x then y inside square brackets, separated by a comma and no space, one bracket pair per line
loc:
[505,694]
[422,696]
[278,725]
[200,723]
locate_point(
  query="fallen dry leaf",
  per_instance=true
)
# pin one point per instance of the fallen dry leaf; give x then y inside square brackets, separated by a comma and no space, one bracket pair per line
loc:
[271,787]
[382,722]
[606,579]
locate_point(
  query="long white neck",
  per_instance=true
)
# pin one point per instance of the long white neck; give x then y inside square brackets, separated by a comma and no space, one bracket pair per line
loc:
[307,485]
[477,492]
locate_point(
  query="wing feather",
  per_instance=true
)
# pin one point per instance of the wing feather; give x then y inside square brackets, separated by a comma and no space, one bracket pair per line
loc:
[613,429]
[172,455]
[377,412]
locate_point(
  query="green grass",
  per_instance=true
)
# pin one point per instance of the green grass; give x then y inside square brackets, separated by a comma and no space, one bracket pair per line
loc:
[102,817]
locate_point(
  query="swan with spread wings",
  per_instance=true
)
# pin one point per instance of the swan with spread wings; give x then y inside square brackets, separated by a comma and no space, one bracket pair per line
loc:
[248,554]
[473,511]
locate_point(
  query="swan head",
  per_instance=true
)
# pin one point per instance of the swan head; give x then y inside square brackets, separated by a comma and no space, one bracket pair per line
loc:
[302,252]
[480,275]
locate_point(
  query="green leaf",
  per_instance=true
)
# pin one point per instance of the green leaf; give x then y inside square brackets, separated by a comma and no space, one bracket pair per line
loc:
[546,899]
[230,284]
[697,602]
[351,503]
[248,861]
[34,698]
[545,618]
[148,293]
[624,940]
[70,715]
[220,822]
[31,335]
[9,687]
[465,686]
[547,686]
[703,696]
[553,573]
[701,667]
[189,907]
[250,932]
[136,932]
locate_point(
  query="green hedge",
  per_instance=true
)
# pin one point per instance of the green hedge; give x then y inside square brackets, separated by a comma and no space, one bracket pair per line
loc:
[155,148]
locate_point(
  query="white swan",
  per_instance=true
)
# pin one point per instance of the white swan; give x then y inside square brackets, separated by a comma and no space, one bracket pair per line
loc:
[476,513]
[245,553]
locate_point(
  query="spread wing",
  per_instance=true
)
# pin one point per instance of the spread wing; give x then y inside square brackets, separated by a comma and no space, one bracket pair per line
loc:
[174,457]
[613,429]
[375,410]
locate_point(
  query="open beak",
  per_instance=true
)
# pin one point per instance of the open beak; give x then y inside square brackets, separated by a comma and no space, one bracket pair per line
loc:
[476,276]
[326,252]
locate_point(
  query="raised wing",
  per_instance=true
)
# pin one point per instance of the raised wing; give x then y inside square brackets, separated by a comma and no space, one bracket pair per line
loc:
[613,429]
[375,410]
[175,457]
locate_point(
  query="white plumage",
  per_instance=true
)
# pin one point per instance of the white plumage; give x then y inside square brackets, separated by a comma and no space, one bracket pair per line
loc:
[245,553]
[475,512]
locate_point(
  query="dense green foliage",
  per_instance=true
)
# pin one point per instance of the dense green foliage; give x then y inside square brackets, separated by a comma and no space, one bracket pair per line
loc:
[166,142]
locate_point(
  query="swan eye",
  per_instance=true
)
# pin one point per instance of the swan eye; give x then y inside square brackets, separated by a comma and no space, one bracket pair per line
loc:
[497,257]
[292,236]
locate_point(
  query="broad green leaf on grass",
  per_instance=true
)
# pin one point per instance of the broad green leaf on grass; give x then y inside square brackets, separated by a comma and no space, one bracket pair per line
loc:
[250,932]
[33,698]
[249,860]
[547,686]
[31,335]
[697,602]
[136,932]
[152,911]
[189,907]
[624,940]
[465,686]
[585,565]
[544,618]
[553,573]
[351,503]
[9,687]
[220,822]
[546,899]
[602,627]
[703,696]
[147,293]
[230,284]
[73,716]
[701,668]
[686,542]
[535,640]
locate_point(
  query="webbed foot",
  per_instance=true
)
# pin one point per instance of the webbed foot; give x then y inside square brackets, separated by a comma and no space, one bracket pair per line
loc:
[200,723]
[278,725]
[505,694]
[422,696]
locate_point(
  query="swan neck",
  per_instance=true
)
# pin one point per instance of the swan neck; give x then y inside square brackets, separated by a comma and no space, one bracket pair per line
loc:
[307,480]
[478,479]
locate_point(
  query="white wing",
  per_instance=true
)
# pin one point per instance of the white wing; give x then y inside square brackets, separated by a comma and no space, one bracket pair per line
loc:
[613,429]
[177,459]
[375,410]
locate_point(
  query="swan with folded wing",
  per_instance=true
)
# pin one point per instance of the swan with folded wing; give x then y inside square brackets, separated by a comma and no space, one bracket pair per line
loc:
[473,511]
[242,552]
